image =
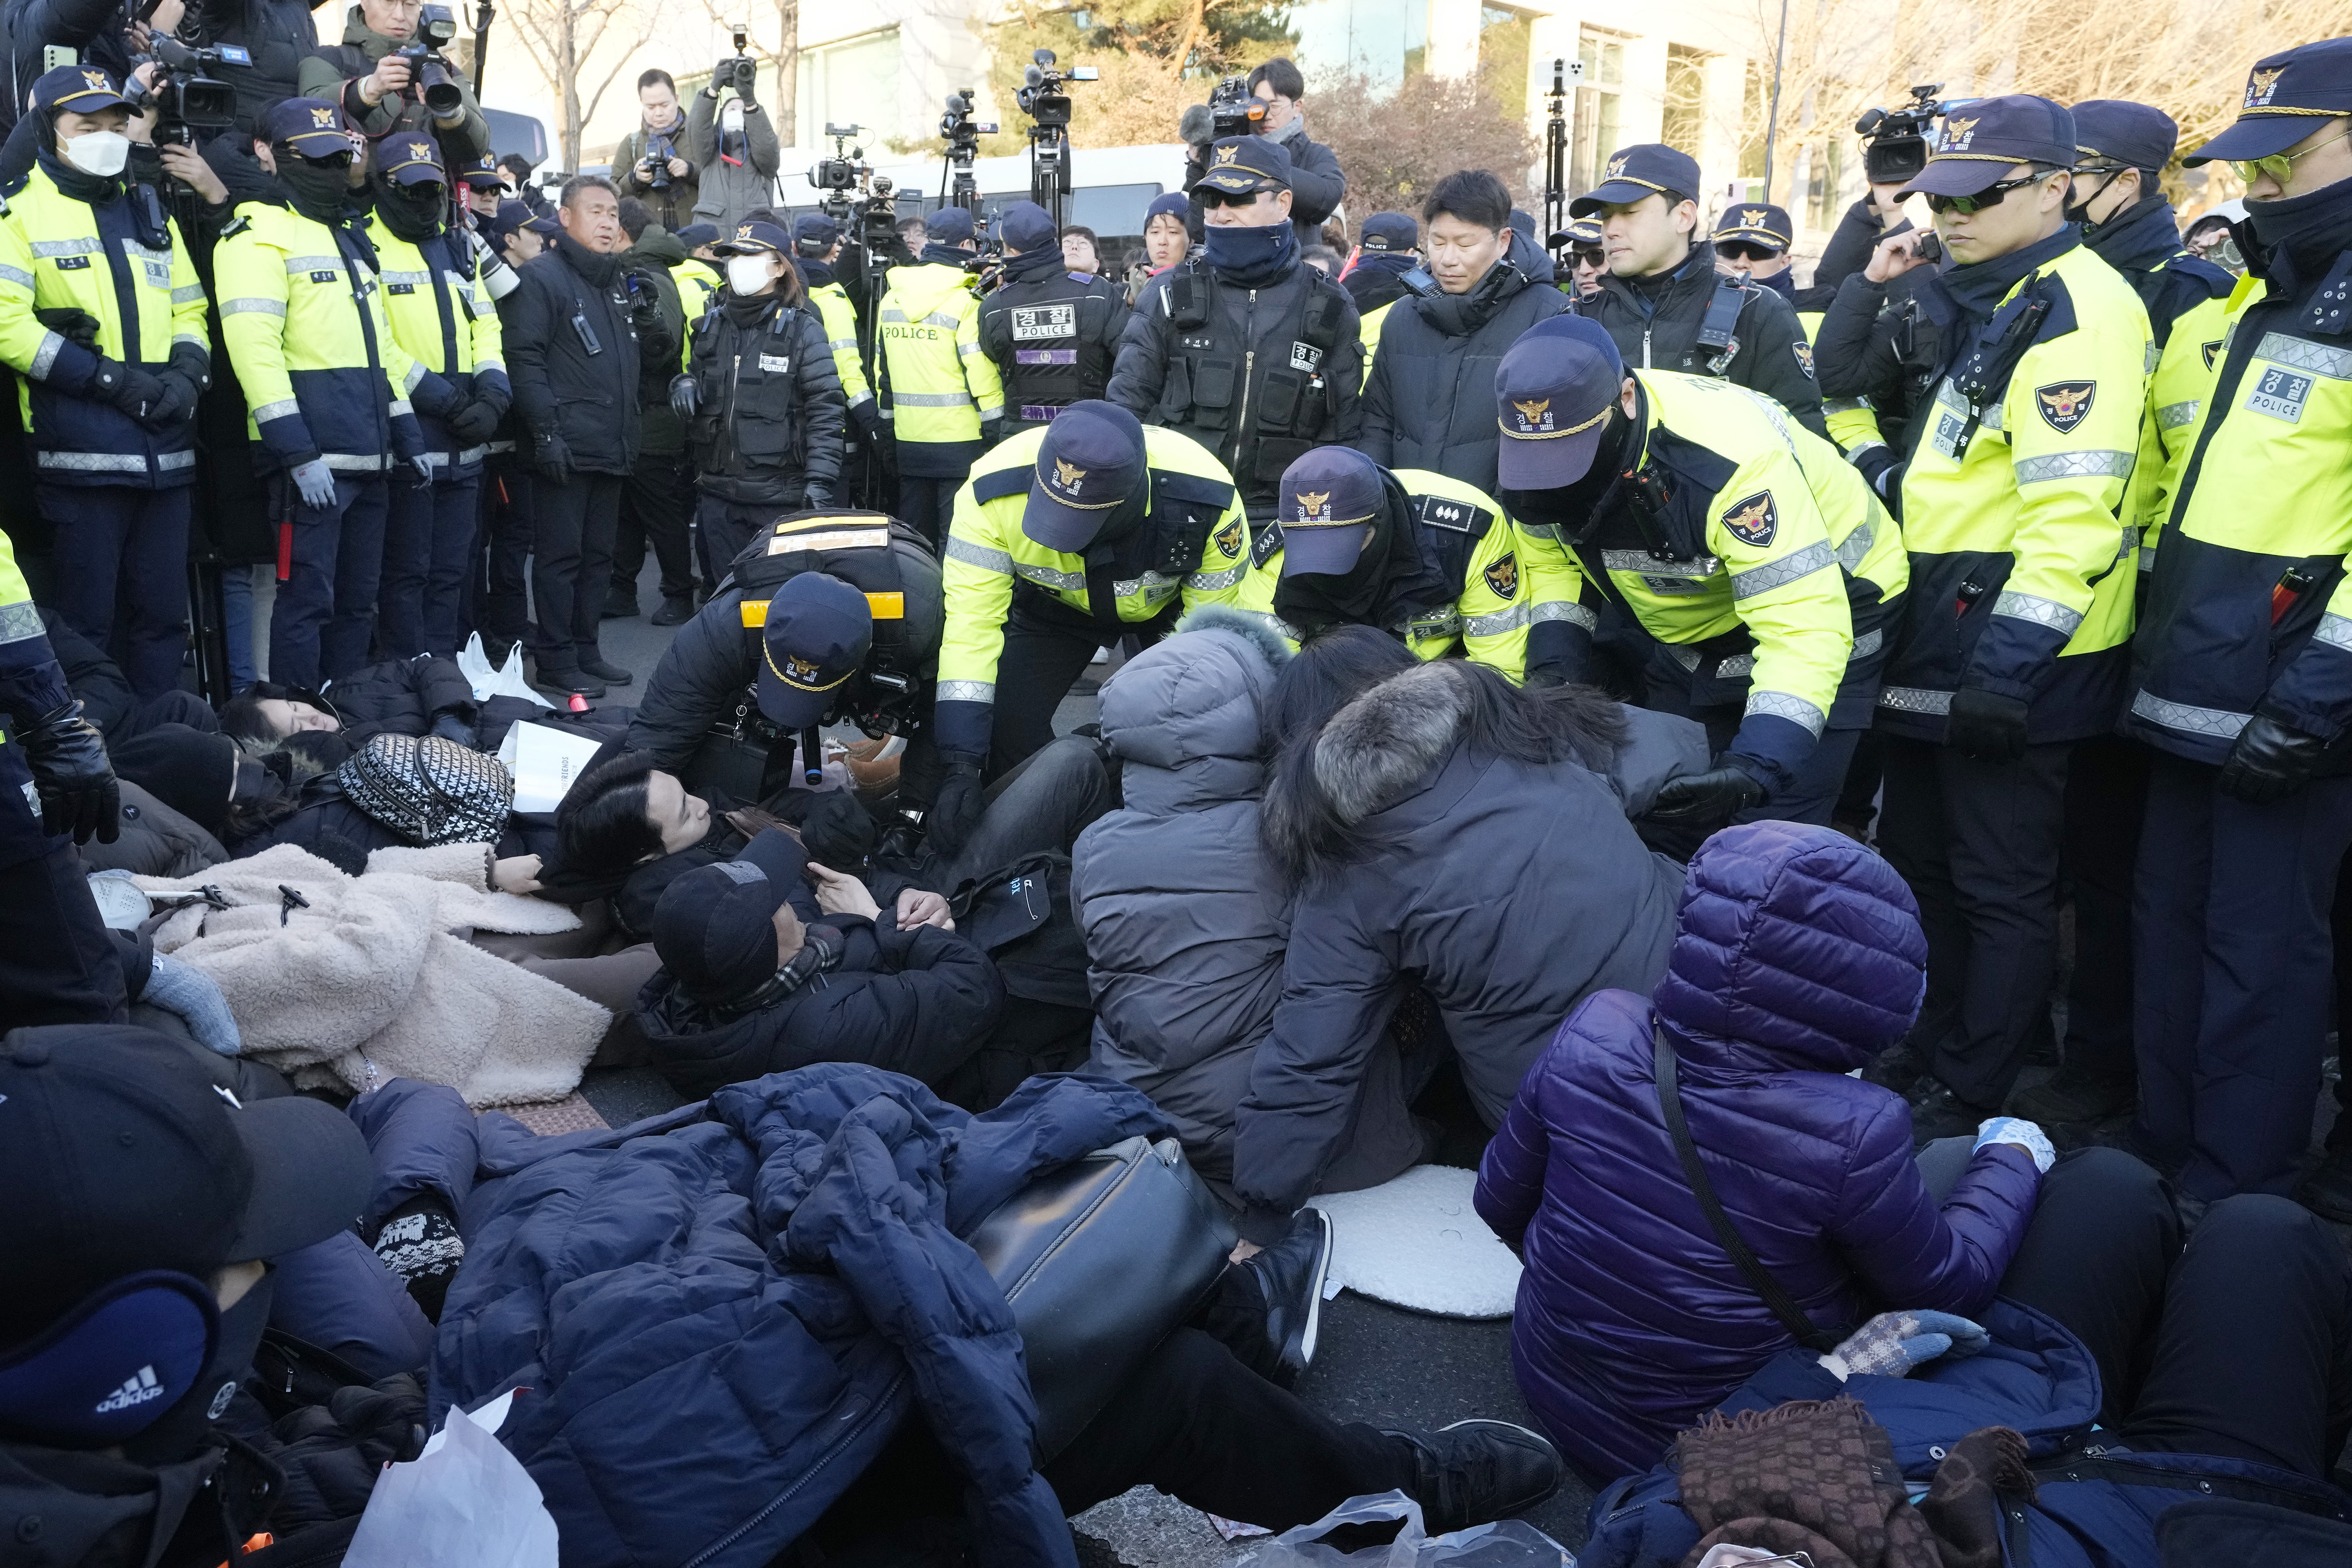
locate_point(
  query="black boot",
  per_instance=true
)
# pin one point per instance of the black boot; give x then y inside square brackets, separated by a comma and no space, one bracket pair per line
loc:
[2069,1096]
[673,613]
[1937,1112]
[1289,1276]
[620,603]
[612,674]
[1478,1470]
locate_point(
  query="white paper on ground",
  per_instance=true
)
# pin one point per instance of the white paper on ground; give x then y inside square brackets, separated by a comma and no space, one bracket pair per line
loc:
[1416,1242]
[464,1502]
[544,762]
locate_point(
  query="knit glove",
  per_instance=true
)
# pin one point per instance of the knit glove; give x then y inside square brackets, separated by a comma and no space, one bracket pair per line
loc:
[419,1242]
[2025,1134]
[1891,1344]
[190,995]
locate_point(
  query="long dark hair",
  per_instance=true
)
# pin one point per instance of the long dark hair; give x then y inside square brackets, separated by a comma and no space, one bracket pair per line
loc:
[601,828]
[1330,672]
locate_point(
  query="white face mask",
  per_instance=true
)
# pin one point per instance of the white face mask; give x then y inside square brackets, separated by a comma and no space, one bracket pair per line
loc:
[731,116]
[748,274]
[100,153]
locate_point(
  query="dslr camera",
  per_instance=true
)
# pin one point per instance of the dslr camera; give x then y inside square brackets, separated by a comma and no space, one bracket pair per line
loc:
[1042,96]
[429,68]
[1895,142]
[1233,110]
[187,99]
[741,72]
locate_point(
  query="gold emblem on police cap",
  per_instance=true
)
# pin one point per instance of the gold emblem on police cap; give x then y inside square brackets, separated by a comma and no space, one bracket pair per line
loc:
[1754,218]
[799,669]
[96,79]
[1531,412]
[1069,475]
[1311,502]
[744,231]
[1958,132]
[1227,154]
[1617,166]
[420,152]
[323,118]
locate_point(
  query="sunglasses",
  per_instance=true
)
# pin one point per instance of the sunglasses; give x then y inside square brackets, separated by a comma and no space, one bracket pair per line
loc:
[2279,165]
[1588,255]
[1740,250]
[1211,197]
[1990,196]
[331,161]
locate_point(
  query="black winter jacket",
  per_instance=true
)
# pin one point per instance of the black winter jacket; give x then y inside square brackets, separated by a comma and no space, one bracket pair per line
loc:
[279,34]
[917,1002]
[405,696]
[1657,328]
[570,300]
[2143,244]
[1048,310]
[1429,400]
[769,423]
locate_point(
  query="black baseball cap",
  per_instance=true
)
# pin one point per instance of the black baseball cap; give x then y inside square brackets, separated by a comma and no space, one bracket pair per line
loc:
[121,1155]
[714,928]
[1026,226]
[483,173]
[513,215]
[1985,138]
[1243,165]
[948,225]
[817,634]
[755,239]
[1758,222]
[410,160]
[1553,392]
[1392,232]
[1092,459]
[311,126]
[2287,95]
[2117,130]
[814,232]
[1329,496]
[1651,169]
[85,89]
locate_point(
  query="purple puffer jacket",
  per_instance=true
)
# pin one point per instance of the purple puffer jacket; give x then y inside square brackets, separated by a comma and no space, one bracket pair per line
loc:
[1798,957]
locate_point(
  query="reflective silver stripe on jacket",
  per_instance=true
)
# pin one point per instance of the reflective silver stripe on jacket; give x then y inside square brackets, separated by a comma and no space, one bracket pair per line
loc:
[1915,699]
[179,338]
[171,460]
[1846,406]
[1510,618]
[2074,465]
[1774,574]
[2173,415]
[1211,581]
[353,463]
[1151,585]
[417,373]
[941,319]
[92,462]
[1046,577]
[137,252]
[402,407]
[1574,614]
[20,620]
[1739,666]
[967,349]
[294,264]
[1867,644]
[1949,397]
[1642,563]
[2335,631]
[279,410]
[87,245]
[1275,624]
[1438,623]
[987,559]
[253,307]
[860,398]
[967,692]
[410,278]
[188,294]
[2301,354]
[838,344]
[2040,612]
[931,400]
[16,274]
[1856,546]
[45,357]
[2216,724]
[1796,710]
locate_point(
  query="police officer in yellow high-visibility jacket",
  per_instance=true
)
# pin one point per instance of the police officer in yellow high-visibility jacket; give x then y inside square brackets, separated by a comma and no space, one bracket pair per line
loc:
[103,318]
[326,386]
[698,280]
[1756,559]
[942,399]
[2241,677]
[816,245]
[1068,538]
[440,310]
[2015,643]
[1434,562]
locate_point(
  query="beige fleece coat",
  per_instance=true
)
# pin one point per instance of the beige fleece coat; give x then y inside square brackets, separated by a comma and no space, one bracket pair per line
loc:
[374,980]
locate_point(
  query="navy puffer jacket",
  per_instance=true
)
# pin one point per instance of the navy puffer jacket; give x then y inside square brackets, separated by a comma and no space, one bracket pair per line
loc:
[1798,957]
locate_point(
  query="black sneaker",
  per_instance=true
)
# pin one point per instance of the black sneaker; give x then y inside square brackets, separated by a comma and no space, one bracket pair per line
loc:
[1478,1470]
[2327,1191]
[611,673]
[2068,1096]
[673,613]
[569,682]
[1899,1067]
[620,603]
[1290,1276]
[1938,1113]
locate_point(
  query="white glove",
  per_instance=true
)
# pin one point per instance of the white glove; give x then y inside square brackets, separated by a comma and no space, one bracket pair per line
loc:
[2017,1130]
[316,482]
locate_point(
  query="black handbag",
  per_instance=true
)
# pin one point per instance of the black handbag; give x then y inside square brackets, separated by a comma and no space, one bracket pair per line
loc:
[1101,1260]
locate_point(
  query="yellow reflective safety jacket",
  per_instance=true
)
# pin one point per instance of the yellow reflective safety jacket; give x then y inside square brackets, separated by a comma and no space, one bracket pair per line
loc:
[840,319]
[32,686]
[1852,421]
[438,306]
[937,387]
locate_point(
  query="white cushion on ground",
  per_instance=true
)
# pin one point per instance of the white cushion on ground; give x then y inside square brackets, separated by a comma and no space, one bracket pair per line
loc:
[1417,1243]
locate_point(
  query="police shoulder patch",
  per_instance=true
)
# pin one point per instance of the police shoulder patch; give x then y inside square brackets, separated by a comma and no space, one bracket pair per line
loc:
[2063,405]
[1502,575]
[2212,352]
[1754,521]
[1804,352]
[1228,539]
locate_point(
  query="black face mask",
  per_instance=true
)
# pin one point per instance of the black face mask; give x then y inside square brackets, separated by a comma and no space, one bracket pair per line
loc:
[415,212]
[319,190]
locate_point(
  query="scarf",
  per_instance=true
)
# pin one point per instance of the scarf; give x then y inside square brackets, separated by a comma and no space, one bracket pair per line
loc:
[1459,315]
[599,271]
[2139,237]
[814,274]
[1391,579]
[1251,257]
[750,312]
[320,192]
[948,256]
[1973,293]
[1782,283]
[409,216]
[2297,238]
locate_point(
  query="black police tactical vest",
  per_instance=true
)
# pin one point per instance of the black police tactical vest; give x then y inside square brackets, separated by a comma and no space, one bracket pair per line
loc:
[1058,355]
[747,425]
[1261,417]
[891,680]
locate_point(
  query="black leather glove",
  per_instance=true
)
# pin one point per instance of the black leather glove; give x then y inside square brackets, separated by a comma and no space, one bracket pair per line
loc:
[128,388]
[473,424]
[2269,761]
[75,326]
[816,496]
[551,457]
[1706,800]
[1986,726]
[990,431]
[956,810]
[72,776]
[179,400]
[886,446]
[684,396]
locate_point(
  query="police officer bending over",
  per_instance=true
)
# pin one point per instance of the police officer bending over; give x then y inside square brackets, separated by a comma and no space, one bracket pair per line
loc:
[1666,306]
[1068,538]
[110,401]
[1051,332]
[1433,561]
[1244,348]
[1753,556]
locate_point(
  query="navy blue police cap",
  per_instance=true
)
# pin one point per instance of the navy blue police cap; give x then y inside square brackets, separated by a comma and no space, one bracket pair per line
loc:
[948,225]
[1026,226]
[1329,496]
[311,126]
[1092,458]
[1391,234]
[1983,139]
[715,926]
[410,160]
[1245,165]
[1553,392]
[1524,221]
[84,89]
[755,239]
[2119,131]
[818,632]
[483,173]
[813,232]
[694,236]
[1580,231]
[1651,169]
[1758,222]
[2287,96]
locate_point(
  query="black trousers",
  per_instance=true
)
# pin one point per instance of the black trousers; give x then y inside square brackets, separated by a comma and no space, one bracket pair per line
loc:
[570,563]
[2107,796]
[2235,969]
[656,508]
[928,503]
[332,564]
[1978,843]
[428,542]
[1046,648]
[1044,804]
[57,960]
[722,529]
[498,603]
[2240,1346]
[122,574]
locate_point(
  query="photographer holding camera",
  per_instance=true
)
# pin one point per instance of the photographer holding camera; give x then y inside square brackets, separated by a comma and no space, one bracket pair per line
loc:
[651,164]
[732,142]
[390,77]
[1272,103]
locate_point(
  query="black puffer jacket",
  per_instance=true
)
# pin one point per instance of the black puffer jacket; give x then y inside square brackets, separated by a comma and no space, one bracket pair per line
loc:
[279,34]
[1429,400]
[769,421]
[917,1002]
[1656,326]
[562,385]
[423,695]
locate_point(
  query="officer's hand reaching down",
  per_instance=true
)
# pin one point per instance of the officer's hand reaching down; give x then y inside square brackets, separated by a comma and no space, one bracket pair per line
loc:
[72,776]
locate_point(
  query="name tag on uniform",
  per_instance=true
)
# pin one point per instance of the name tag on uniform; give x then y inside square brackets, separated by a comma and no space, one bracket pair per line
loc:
[326,277]
[72,263]
[1946,438]
[2280,394]
[776,364]
[1306,357]
[400,288]
[1032,323]
[158,273]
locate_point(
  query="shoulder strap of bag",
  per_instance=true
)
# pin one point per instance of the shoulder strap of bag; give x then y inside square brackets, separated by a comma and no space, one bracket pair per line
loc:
[1810,1334]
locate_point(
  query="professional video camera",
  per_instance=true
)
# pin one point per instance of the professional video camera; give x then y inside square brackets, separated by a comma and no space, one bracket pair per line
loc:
[435,77]
[1042,98]
[838,175]
[1895,143]
[962,134]
[1233,110]
[185,97]
[742,72]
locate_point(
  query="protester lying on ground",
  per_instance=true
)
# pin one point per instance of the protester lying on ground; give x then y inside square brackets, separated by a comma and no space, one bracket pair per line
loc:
[106,699]
[749,988]
[428,695]
[1453,826]
[1797,958]
[400,789]
[2220,1378]
[626,830]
